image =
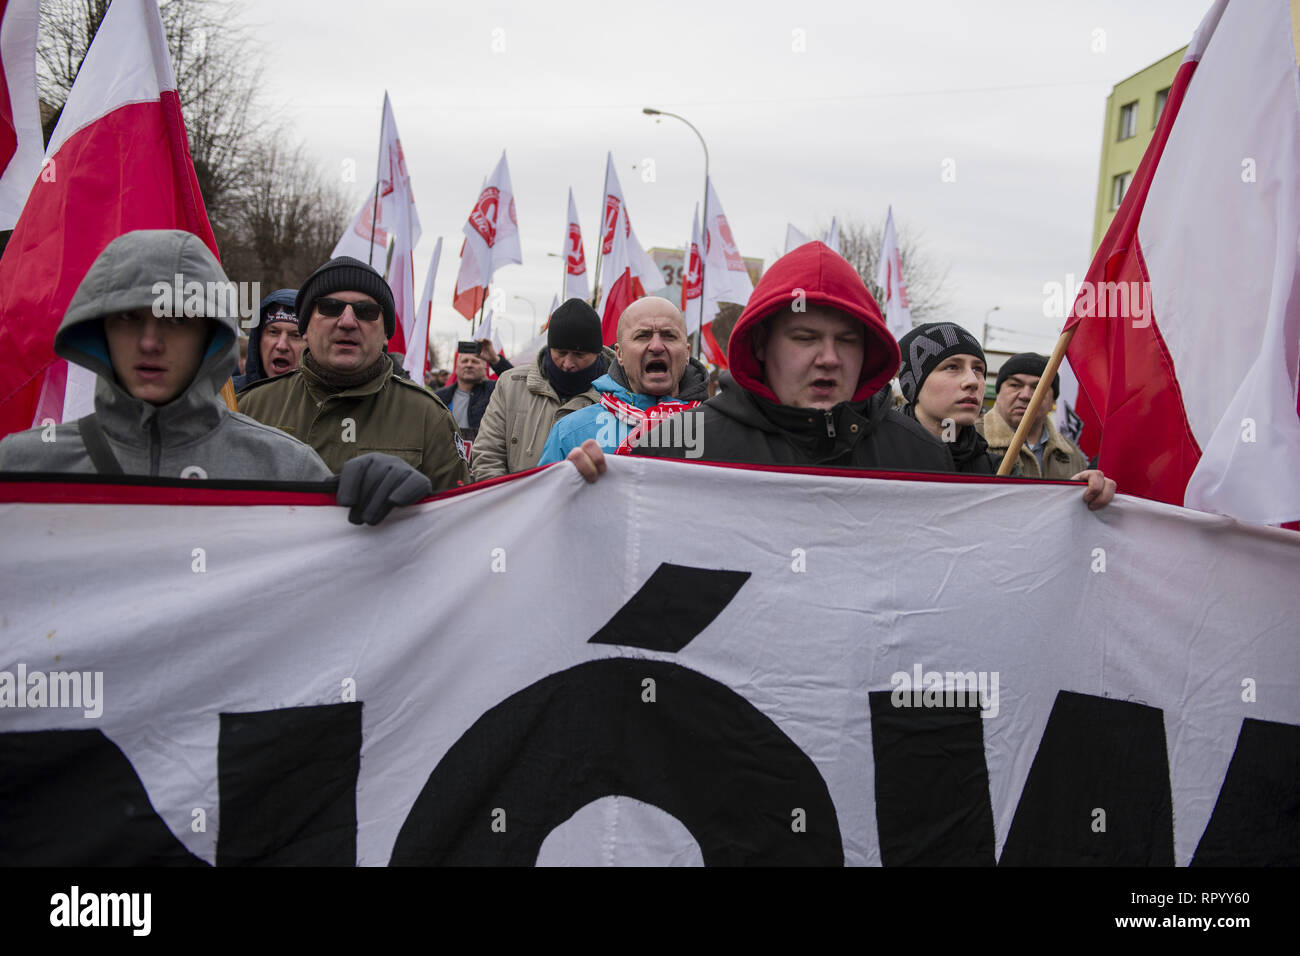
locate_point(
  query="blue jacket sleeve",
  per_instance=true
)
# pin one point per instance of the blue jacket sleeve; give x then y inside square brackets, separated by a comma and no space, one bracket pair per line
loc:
[556,448]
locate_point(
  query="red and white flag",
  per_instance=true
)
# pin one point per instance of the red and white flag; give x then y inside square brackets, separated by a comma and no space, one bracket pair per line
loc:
[725,277]
[118,160]
[1187,330]
[692,286]
[645,272]
[889,276]
[21,145]
[621,287]
[367,239]
[416,357]
[575,269]
[492,231]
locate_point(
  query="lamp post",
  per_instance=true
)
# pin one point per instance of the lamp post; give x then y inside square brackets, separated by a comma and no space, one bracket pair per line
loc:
[650,111]
[984,338]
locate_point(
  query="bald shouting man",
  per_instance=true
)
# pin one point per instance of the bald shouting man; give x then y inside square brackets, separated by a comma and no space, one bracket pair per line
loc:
[653,379]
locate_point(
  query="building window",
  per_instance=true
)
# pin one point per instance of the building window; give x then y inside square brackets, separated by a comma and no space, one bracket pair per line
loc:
[1128,120]
[1119,186]
[1161,97]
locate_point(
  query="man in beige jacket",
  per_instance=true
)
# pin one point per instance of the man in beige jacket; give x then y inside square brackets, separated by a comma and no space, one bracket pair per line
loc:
[1046,453]
[529,399]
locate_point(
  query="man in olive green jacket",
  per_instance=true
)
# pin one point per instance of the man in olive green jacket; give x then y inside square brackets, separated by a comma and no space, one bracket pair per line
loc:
[345,399]
[529,399]
[1046,453]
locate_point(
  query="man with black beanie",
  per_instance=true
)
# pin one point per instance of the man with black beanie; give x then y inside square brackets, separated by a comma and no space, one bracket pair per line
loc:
[530,398]
[1046,453]
[345,399]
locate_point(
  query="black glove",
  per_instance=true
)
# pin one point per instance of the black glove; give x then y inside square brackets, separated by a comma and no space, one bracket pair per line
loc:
[372,484]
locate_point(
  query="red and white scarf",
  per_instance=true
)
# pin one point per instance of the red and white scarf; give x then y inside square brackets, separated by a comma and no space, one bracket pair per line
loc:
[641,419]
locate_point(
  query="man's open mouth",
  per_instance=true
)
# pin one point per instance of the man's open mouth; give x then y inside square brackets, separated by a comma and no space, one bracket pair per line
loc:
[656,365]
[823,383]
[280,365]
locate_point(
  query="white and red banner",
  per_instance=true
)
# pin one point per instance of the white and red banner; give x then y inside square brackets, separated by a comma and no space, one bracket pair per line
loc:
[21,144]
[575,257]
[644,270]
[1119,687]
[118,160]
[368,236]
[889,276]
[492,231]
[1187,330]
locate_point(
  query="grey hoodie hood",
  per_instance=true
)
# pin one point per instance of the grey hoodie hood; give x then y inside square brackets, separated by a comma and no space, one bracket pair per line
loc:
[193,436]
[175,273]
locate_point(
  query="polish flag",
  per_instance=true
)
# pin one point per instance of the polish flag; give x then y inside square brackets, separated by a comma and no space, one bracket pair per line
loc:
[1187,332]
[889,276]
[645,272]
[367,240]
[575,269]
[725,277]
[492,231]
[118,160]
[21,145]
[416,357]
[621,285]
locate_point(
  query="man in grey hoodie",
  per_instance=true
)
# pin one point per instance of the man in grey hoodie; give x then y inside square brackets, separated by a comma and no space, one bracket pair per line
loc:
[155,318]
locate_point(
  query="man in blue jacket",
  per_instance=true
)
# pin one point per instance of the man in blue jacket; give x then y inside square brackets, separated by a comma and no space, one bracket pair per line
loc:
[653,379]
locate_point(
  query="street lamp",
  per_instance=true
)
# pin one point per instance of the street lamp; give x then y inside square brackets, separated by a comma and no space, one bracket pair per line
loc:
[984,339]
[651,111]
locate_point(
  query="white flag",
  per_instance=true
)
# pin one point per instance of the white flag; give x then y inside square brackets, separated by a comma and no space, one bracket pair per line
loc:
[417,357]
[731,282]
[794,238]
[575,269]
[21,144]
[367,238]
[889,276]
[492,232]
[833,236]
[692,288]
[644,269]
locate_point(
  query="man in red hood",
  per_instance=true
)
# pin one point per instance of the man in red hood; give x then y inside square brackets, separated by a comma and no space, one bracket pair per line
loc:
[810,361]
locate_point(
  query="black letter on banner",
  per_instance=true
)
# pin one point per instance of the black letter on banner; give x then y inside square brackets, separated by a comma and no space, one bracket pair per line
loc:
[701,753]
[932,785]
[1096,753]
[1256,821]
[287,781]
[71,798]
[671,608]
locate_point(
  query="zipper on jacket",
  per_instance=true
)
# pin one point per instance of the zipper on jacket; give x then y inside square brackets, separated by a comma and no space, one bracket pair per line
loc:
[830,424]
[155,447]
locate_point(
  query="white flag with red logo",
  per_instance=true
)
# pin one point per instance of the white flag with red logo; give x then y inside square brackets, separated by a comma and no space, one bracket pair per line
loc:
[725,277]
[575,269]
[416,357]
[21,144]
[889,276]
[118,160]
[1187,330]
[692,287]
[621,287]
[367,239]
[492,232]
[644,270]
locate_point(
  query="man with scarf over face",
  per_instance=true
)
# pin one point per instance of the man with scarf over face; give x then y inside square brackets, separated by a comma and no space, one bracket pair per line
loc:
[529,399]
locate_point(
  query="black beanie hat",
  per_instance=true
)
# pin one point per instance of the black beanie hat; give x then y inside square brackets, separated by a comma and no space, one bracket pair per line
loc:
[576,326]
[346,274]
[925,347]
[1027,363]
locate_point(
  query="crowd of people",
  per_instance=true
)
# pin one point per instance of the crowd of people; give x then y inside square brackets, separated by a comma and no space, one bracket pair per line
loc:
[811,364]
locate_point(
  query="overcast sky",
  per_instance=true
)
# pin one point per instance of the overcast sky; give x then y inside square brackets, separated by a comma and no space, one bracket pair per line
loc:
[810,109]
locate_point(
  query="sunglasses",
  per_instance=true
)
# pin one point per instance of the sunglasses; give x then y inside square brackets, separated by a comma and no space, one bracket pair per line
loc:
[333,308]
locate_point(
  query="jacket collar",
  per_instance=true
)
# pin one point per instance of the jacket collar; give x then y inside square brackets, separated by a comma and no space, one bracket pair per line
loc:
[998,433]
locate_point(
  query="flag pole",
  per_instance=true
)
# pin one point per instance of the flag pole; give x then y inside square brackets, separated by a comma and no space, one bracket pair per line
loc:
[600,243]
[379,165]
[481,306]
[1035,403]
